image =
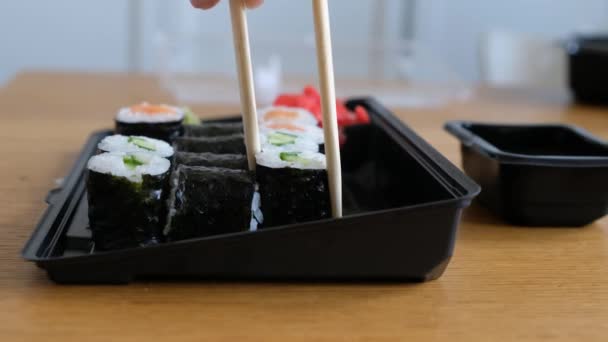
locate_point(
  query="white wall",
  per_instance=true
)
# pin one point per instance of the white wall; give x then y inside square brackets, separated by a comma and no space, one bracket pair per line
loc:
[455,28]
[94,35]
[70,34]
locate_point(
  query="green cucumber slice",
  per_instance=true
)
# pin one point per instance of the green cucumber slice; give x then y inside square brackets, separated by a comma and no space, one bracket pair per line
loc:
[294,157]
[131,161]
[190,118]
[290,156]
[142,143]
[282,139]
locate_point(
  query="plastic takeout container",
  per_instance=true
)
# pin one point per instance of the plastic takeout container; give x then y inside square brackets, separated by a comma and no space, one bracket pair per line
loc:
[536,175]
[402,200]
[588,74]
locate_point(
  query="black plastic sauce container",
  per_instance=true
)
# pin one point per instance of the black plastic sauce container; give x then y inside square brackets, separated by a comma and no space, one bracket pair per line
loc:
[536,175]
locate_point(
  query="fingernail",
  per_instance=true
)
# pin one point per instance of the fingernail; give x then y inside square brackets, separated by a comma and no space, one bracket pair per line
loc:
[204,4]
[254,3]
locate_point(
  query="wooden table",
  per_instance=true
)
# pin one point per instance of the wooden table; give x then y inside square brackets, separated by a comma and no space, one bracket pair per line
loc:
[504,283]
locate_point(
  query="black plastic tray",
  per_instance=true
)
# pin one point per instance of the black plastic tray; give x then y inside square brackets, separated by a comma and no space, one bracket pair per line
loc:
[402,199]
[536,175]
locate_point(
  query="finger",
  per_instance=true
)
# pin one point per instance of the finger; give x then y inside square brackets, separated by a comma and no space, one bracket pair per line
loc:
[204,4]
[253,3]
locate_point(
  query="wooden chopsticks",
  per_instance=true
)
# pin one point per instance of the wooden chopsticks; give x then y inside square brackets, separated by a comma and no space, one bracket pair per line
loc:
[327,88]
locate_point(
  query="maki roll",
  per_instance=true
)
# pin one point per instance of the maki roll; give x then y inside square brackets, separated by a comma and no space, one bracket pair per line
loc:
[287,114]
[228,161]
[213,129]
[276,140]
[125,194]
[293,187]
[131,144]
[155,121]
[229,144]
[209,201]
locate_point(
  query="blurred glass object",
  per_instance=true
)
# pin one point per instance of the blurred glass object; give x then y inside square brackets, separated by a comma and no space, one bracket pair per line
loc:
[517,60]
[195,57]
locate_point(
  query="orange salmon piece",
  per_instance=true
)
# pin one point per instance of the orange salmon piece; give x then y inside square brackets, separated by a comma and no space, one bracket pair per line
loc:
[152,109]
[286,126]
[280,114]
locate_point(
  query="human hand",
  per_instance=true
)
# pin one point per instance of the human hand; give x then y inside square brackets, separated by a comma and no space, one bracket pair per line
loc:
[207,4]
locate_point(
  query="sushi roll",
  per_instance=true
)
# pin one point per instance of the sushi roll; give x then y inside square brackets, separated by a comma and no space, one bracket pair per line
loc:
[228,161]
[131,144]
[155,121]
[228,144]
[125,196]
[206,130]
[287,114]
[277,140]
[293,187]
[209,201]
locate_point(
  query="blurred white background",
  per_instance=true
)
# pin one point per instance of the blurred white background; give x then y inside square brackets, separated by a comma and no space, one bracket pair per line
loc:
[129,35]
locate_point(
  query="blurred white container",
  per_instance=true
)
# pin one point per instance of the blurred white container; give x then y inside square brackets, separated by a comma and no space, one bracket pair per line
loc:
[392,73]
[196,58]
[516,60]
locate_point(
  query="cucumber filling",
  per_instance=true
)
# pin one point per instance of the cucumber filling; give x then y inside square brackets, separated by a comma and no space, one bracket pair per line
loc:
[142,143]
[190,118]
[131,162]
[293,157]
[282,139]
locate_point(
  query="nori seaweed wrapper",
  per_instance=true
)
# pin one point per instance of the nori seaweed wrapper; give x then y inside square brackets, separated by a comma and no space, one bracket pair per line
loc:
[291,195]
[213,129]
[228,161]
[125,214]
[229,144]
[209,201]
[167,131]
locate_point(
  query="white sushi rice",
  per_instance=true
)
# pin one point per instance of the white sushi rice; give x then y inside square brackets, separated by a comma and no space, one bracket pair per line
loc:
[131,144]
[127,115]
[113,163]
[313,133]
[296,115]
[308,160]
[301,143]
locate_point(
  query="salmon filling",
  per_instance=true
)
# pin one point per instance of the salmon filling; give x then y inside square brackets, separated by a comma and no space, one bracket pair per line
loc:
[149,109]
[281,115]
[286,126]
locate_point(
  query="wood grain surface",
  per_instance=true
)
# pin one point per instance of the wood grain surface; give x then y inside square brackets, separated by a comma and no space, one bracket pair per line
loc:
[504,283]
